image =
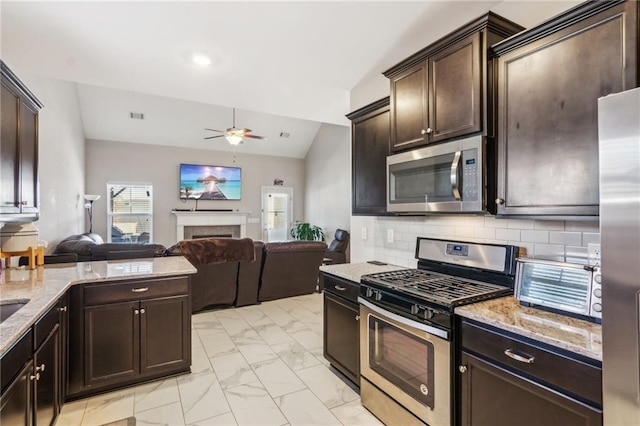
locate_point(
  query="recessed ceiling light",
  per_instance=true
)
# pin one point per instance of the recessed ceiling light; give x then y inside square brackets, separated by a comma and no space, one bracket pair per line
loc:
[200,59]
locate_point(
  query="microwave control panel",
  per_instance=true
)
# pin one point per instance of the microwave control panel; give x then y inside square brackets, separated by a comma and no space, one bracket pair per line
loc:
[470,175]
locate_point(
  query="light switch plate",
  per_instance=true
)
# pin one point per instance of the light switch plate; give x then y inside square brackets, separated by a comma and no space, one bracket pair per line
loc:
[390,235]
[364,233]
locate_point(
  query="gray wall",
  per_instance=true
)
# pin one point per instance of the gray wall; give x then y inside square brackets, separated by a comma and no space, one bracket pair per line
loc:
[109,161]
[327,201]
[61,157]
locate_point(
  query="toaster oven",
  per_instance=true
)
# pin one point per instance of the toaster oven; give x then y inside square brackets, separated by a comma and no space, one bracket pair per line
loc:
[566,288]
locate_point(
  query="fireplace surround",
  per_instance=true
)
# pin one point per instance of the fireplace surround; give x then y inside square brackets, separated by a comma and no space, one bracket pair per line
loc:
[201,223]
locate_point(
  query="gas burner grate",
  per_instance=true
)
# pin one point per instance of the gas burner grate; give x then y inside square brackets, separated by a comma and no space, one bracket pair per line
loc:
[440,289]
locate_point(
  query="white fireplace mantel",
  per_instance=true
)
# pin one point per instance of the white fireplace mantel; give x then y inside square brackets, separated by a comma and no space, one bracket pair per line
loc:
[207,218]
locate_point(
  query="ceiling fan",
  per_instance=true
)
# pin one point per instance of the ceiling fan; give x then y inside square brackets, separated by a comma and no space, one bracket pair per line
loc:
[234,135]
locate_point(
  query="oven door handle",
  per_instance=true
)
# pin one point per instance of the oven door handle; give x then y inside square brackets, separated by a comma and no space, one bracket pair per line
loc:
[455,180]
[402,320]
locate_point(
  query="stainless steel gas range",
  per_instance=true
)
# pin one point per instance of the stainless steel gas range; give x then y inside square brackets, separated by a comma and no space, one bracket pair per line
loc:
[407,327]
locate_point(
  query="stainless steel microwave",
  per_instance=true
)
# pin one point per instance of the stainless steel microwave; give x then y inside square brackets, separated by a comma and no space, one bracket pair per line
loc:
[441,178]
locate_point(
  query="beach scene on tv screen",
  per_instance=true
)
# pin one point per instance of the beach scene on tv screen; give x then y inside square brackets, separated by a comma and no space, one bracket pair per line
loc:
[198,182]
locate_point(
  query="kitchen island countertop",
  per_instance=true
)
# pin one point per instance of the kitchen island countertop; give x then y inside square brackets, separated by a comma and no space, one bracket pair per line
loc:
[43,286]
[354,271]
[571,334]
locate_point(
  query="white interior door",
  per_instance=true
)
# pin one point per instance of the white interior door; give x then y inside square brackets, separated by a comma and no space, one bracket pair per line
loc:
[277,213]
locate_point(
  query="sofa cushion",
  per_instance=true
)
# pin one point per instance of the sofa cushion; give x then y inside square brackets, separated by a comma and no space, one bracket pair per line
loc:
[100,251]
[205,251]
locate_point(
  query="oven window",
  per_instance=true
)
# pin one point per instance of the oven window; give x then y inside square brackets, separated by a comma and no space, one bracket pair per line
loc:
[403,359]
[430,177]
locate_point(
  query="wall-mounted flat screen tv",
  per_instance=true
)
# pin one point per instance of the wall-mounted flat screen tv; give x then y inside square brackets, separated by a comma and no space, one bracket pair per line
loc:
[200,182]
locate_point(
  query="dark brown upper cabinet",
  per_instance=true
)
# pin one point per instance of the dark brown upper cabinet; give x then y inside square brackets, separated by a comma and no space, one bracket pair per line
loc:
[369,151]
[549,79]
[18,150]
[439,93]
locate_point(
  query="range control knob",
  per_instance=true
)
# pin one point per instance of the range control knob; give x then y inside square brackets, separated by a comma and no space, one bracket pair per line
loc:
[369,293]
[597,307]
[597,293]
[425,313]
[378,295]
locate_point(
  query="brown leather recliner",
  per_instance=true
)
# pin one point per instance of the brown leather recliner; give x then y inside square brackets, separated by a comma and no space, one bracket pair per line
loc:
[337,250]
[290,269]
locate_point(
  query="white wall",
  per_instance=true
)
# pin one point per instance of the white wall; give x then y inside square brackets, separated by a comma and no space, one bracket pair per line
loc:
[61,159]
[327,201]
[109,161]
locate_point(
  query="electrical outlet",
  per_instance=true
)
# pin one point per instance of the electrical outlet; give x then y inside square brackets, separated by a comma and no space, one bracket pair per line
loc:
[364,233]
[594,254]
[390,235]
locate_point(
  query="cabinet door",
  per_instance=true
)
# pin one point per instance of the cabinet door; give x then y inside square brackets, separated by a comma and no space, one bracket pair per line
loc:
[15,402]
[497,397]
[64,348]
[165,335]
[28,159]
[9,152]
[112,343]
[47,367]
[455,90]
[370,147]
[548,94]
[341,336]
[409,108]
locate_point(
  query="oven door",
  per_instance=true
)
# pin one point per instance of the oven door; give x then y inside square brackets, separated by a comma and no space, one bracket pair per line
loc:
[407,362]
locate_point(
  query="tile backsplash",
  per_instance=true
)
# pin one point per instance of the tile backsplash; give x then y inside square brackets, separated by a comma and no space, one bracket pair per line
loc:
[553,240]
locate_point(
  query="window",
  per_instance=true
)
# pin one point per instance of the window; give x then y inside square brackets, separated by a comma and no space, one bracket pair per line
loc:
[130,213]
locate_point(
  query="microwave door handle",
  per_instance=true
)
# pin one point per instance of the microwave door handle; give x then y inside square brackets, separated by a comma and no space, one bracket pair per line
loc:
[455,180]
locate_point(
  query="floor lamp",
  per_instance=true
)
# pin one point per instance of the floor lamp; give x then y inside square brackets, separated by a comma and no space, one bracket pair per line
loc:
[89,206]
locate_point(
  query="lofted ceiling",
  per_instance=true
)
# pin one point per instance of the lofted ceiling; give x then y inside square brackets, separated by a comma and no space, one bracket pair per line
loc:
[286,66]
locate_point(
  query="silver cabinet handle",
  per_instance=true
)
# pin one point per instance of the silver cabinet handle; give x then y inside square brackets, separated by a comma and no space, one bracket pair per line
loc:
[526,359]
[357,317]
[142,311]
[455,181]
[41,368]
[136,312]
[339,288]
[35,377]
[463,368]
[63,309]
[140,290]
[429,130]
[499,201]
[423,132]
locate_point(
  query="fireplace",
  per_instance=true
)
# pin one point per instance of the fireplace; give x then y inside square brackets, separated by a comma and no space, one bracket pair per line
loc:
[207,223]
[214,231]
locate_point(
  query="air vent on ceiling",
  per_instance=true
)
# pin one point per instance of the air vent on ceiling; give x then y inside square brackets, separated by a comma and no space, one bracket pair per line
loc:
[284,134]
[136,115]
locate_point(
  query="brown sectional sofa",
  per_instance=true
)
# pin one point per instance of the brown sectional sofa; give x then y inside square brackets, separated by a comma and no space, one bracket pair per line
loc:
[279,270]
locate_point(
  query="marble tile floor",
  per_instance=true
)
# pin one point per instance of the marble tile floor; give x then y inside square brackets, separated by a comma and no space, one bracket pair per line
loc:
[255,365]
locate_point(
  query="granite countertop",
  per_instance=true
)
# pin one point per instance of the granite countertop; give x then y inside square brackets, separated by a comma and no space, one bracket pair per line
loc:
[354,271]
[44,285]
[575,335]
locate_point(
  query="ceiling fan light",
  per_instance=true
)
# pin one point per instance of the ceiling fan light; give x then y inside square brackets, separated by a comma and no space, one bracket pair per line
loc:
[234,139]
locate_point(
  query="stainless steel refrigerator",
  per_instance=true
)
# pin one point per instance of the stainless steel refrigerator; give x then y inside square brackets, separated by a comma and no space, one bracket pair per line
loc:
[619,145]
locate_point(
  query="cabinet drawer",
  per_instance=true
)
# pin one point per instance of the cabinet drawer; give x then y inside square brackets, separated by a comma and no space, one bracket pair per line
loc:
[14,359]
[135,290]
[45,324]
[557,371]
[344,288]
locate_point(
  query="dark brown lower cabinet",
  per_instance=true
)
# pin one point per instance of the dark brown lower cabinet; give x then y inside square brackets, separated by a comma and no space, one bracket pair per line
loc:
[46,384]
[131,331]
[341,326]
[506,381]
[15,401]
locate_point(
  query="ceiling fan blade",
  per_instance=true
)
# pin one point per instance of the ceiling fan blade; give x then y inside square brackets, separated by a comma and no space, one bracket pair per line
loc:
[214,130]
[213,137]
[255,137]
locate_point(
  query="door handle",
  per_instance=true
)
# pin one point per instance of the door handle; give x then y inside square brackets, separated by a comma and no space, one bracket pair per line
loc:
[339,288]
[526,359]
[140,290]
[455,180]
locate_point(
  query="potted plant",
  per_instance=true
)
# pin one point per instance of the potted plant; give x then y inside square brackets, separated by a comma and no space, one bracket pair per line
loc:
[306,231]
